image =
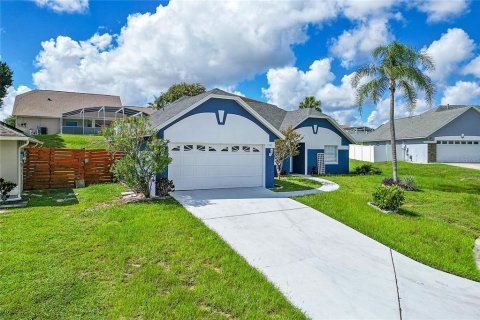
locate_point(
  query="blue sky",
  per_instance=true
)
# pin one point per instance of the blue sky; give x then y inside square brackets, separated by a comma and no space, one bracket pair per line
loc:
[271,51]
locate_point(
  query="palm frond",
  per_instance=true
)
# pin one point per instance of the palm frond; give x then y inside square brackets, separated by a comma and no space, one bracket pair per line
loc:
[364,72]
[408,90]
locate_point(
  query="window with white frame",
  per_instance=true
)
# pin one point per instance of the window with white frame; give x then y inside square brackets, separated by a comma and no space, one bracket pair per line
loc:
[331,154]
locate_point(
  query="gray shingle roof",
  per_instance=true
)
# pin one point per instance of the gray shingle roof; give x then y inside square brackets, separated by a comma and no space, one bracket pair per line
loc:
[277,117]
[420,126]
[49,103]
[8,131]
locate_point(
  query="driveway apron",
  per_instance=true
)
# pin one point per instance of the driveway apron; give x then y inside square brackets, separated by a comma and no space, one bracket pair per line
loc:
[324,267]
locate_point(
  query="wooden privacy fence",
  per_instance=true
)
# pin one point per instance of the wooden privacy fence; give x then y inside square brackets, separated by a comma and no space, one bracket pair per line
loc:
[49,168]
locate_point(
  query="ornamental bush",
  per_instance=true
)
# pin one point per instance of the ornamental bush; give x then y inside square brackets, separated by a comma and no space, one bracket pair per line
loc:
[164,186]
[367,169]
[5,188]
[410,183]
[389,197]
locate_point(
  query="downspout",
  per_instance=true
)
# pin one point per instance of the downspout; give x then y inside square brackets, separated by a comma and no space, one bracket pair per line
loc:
[20,171]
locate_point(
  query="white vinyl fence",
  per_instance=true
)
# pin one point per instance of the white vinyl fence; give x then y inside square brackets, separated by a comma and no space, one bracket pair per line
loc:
[410,152]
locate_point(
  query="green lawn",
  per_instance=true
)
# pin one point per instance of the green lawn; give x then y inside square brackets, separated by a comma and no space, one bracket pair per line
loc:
[72,141]
[95,258]
[437,225]
[294,183]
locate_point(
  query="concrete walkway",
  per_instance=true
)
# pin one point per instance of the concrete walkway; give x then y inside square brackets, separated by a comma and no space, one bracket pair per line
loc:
[325,268]
[465,165]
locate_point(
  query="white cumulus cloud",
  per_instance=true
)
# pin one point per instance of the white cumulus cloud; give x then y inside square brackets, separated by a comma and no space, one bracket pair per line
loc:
[215,42]
[473,67]
[381,113]
[453,47]
[68,6]
[354,46]
[288,86]
[463,92]
[443,10]
[7,107]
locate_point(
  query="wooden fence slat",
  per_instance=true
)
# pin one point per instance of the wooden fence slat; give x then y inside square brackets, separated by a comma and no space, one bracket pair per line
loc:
[48,168]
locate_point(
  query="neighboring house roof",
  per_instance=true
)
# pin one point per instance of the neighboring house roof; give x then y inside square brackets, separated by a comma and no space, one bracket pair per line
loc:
[49,103]
[420,126]
[277,117]
[8,132]
[146,110]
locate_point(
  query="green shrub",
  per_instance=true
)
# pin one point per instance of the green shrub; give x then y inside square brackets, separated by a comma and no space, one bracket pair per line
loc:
[367,169]
[5,188]
[164,186]
[389,197]
[410,183]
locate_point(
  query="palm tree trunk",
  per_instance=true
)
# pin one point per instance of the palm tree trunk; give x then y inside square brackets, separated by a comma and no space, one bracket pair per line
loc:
[393,141]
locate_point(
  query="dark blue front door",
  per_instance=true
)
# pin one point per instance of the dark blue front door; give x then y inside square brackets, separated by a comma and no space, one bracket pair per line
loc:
[299,160]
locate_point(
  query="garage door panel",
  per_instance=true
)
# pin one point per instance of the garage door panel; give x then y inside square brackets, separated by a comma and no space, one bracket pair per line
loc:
[449,152]
[207,166]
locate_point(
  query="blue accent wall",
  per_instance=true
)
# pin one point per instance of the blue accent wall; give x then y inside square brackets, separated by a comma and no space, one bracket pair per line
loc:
[286,165]
[341,167]
[299,160]
[312,159]
[324,123]
[269,169]
[229,106]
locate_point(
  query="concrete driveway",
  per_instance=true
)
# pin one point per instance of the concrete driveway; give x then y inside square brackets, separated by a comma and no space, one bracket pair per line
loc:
[466,165]
[325,268]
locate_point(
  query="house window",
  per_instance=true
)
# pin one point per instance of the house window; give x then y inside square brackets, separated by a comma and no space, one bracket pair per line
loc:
[246,148]
[475,142]
[331,154]
[224,149]
[188,147]
[70,123]
[211,149]
[200,147]
[255,149]
[235,148]
[176,148]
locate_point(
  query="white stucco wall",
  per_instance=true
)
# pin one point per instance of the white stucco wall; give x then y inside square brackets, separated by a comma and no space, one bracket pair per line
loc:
[414,152]
[9,163]
[318,141]
[203,127]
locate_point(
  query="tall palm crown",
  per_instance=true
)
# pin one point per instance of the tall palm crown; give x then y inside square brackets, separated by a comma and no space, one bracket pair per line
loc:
[310,102]
[395,66]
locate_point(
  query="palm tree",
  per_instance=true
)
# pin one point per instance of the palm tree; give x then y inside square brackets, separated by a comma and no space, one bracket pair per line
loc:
[310,102]
[395,66]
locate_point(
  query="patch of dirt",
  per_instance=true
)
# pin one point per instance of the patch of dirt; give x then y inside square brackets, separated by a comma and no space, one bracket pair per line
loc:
[215,310]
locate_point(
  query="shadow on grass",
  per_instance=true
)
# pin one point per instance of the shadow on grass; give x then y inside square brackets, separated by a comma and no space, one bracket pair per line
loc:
[51,198]
[51,140]
[408,213]
[464,188]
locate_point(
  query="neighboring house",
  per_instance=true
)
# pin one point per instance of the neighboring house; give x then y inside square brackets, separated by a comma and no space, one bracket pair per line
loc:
[358,133]
[52,112]
[12,143]
[220,140]
[448,133]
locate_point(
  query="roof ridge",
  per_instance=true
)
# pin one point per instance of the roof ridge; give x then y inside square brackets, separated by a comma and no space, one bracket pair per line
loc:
[64,91]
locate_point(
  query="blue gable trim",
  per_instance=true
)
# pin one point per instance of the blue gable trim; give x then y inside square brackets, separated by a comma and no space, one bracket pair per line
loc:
[323,123]
[229,106]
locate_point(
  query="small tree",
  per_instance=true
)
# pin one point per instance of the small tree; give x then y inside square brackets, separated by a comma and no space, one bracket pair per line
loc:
[311,103]
[5,188]
[6,80]
[10,120]
[145,155]
[175,92]
[287,147]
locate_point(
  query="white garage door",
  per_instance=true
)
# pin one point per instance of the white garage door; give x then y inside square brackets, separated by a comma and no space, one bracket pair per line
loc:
[458,151]
[207,166]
